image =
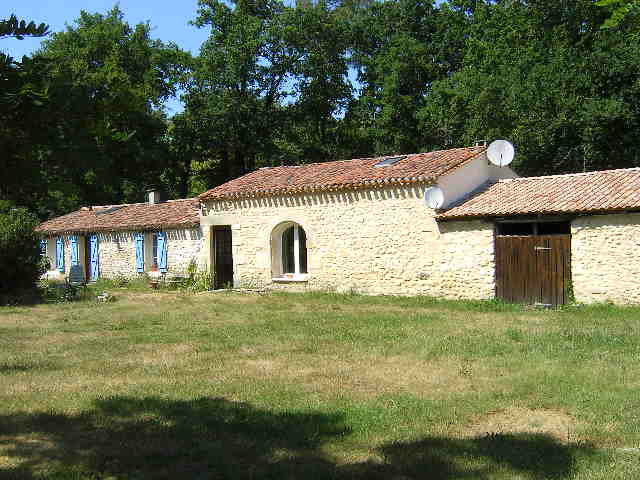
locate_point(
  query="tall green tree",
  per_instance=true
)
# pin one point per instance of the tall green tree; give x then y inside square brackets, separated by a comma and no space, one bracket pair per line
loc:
[238,82]
[270,85]
[400,48]
[544,75]
[622,11]
[107,82]
[319,37]
[23,100]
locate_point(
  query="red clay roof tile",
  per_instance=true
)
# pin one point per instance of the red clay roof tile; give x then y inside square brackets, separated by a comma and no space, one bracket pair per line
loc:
[138,216]
[343,174]
[603,191]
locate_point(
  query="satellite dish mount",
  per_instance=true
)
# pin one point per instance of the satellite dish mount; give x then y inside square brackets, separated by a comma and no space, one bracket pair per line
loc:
[500,153]
[434,197]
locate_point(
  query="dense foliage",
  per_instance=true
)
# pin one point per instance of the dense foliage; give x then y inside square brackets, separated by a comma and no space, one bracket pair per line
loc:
[83,120]
[88,127]
[20,261]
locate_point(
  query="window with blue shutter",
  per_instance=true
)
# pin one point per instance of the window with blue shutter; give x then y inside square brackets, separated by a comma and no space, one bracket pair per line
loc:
[60,254]
[74,250]
[94,263]
[162,252]
[139,252]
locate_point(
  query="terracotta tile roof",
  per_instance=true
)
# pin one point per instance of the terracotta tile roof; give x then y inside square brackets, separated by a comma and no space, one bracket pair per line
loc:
[344,174]
[603,191]
[131,217]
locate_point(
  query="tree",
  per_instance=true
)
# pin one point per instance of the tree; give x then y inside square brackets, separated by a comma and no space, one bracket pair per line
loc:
[269,87]
[400,48]
[106,83]
[19,251]
[319,38]
[621,11]
[12,27]
[544,75]
[23,99]
[238,82]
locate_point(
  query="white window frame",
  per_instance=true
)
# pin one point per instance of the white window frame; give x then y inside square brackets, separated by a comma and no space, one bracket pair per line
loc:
[55,254]
[278,273]
[148,252]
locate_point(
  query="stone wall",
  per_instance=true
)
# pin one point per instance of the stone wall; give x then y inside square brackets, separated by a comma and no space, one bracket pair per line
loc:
[604,258]
[117,255]
[183,248]
[382,241]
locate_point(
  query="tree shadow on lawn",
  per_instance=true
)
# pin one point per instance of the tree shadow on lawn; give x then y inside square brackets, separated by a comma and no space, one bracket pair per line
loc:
[154,438]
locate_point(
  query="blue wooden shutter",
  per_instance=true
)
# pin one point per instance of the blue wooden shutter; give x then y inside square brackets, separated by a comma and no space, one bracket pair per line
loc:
[140,252]
[162,252]
[93,257]
[74,250]
[60,254]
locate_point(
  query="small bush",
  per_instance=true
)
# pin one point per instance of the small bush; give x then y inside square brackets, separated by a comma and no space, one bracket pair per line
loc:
[120,281]
[20,260]
[138,283]
[58,292]
[198,280]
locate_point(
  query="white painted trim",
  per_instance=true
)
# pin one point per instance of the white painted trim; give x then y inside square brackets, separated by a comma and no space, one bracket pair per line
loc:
[296,249]
[297,278]
[275,244]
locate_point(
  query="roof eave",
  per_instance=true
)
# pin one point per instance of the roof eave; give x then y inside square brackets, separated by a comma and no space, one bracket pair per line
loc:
[493,216]
[133,228]
[362,185]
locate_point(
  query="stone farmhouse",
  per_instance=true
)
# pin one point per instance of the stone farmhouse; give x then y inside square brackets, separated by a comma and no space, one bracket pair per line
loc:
[363,225]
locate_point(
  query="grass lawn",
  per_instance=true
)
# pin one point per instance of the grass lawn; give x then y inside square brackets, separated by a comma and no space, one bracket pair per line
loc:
[318,386]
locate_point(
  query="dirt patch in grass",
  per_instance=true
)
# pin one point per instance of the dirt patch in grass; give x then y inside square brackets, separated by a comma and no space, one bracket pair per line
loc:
[161,355]
[368,377]
[554,423]
[146,298]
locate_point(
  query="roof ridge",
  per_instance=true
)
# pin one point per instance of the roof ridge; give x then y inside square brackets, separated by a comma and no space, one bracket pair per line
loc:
[565,175]
[138,203]
[390,155]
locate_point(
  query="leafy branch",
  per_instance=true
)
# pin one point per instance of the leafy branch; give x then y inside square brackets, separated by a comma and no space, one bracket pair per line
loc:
[19,28]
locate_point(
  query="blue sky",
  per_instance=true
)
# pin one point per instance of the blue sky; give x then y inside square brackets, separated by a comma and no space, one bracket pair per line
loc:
[168,18]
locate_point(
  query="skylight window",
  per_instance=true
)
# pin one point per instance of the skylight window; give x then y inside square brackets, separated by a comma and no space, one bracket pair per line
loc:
[108,210]
[389,161]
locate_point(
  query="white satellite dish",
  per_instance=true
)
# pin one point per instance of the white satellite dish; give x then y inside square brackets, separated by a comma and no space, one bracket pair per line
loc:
[434,197]
[500,153]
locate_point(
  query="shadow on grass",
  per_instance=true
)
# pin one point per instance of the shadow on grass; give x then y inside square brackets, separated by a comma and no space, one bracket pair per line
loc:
[154,438]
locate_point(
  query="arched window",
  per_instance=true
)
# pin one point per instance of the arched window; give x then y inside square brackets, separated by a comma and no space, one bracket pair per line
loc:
[289,251]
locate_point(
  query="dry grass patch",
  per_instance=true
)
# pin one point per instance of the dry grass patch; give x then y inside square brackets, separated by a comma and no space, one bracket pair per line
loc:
[156,298]
[370,376]
[516,420]
[167,355]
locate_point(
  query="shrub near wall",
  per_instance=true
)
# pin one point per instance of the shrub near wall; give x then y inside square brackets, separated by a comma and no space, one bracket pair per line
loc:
[20,262]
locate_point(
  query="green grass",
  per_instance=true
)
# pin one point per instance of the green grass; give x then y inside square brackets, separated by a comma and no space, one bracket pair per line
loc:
[172,385]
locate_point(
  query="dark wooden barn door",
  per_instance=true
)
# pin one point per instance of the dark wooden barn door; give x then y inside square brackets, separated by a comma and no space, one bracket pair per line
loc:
[223,256]
[533,268]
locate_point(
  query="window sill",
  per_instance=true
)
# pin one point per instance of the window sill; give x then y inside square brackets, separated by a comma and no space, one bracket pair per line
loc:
[293,279]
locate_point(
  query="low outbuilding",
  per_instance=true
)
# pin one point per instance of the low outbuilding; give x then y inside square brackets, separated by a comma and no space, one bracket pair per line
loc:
[123,240]
[561,237]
